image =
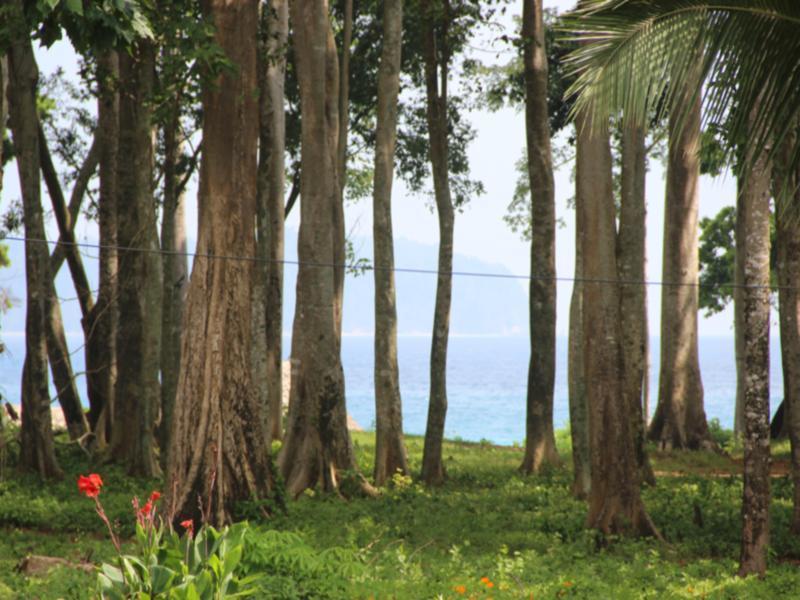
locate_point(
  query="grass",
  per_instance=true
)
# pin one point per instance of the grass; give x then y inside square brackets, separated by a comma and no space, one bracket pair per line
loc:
[524,536]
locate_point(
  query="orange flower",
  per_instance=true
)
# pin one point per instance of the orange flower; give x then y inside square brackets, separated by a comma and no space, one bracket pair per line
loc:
[90,485]
[567,584]
[460,589]
[484,580]
[489,584]
[188,525]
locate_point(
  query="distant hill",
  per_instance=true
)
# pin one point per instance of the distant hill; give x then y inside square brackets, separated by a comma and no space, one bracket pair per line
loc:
[481,306]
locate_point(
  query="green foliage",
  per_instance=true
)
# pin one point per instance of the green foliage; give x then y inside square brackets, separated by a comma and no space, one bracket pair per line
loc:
[504,85]
[99,24]
[746,52]
[167,566]
[717,260]
[486,525]
[717,254]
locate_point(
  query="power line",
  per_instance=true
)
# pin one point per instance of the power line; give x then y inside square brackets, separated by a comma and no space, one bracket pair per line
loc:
[411,270]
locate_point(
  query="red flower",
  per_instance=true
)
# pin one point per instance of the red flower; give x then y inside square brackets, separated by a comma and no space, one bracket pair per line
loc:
[90,485]
[154,497]
[146,509]
[188,524]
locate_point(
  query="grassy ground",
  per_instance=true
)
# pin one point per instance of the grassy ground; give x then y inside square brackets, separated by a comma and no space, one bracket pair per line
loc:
[487,533]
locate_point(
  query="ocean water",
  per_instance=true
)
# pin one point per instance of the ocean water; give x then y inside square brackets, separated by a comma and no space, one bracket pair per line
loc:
[486,379]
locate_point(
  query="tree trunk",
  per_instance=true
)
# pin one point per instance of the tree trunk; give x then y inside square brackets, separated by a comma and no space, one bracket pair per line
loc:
[753,211]
[633,293]
[317,445]
[175,265]
[57,349]
[787,241]
[680,420]
[3,115]
[271,183]
[339,242]
[61,369]
[37,453]
[102,351]
[137,393]
[540,442]
[738,315]
[615,504]
[437,66]
[576,379]
[218,447]
[390,450]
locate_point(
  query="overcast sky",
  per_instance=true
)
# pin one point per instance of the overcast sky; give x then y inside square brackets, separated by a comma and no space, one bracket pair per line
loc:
[480,231]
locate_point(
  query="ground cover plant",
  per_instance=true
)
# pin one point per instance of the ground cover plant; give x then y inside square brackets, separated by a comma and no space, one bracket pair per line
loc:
[487,533]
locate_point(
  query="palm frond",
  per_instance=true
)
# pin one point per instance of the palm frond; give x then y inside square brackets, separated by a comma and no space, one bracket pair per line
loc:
[638,54]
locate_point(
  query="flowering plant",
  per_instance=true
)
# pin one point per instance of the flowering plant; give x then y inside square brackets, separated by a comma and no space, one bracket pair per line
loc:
[167,565]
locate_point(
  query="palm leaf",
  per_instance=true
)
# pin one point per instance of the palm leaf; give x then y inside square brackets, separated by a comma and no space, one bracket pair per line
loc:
[638,54]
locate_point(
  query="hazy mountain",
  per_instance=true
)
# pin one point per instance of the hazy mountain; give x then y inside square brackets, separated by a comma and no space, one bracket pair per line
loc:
[481,306]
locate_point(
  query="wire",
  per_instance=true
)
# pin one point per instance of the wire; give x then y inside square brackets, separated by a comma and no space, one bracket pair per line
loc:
[369,267]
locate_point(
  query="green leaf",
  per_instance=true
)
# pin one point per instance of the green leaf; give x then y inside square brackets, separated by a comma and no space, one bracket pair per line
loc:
[160,579]
[112,573]
[75,6]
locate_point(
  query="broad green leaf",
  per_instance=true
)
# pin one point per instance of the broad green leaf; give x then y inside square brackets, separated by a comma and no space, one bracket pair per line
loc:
[75,6]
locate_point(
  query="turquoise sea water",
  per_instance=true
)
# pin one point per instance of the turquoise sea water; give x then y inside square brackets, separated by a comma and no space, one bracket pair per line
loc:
[486,380]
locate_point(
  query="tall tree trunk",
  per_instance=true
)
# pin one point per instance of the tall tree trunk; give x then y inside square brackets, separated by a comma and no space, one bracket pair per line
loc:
[218,446]
[3,111]
[390,450]
[615,504]
[61,369]
[540,442]
[633,293]
[343,107]
[437,67]
[787,241]
[738,313]
[37,452]
[271,183]
[175,265]
[680,420]
[137,393]
[576,379]
[753,211]
[102,351]
[57,349]
[317,444]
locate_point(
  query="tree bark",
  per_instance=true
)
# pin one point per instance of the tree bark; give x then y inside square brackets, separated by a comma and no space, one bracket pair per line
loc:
[633,293]
[271,184]
[390,449]
[137,393]
[37,453]
[787,241]
[753,210]
[175,265]
[540,442]
[102,352]
[57,349]
[738,314]
[615,504]
[218,447]
[343,107]
[576,378]
[3,113]
[437,66]
[317,445]
[680,420]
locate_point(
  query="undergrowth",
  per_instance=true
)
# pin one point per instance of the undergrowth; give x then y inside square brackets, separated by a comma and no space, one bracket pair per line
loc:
[488,532]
